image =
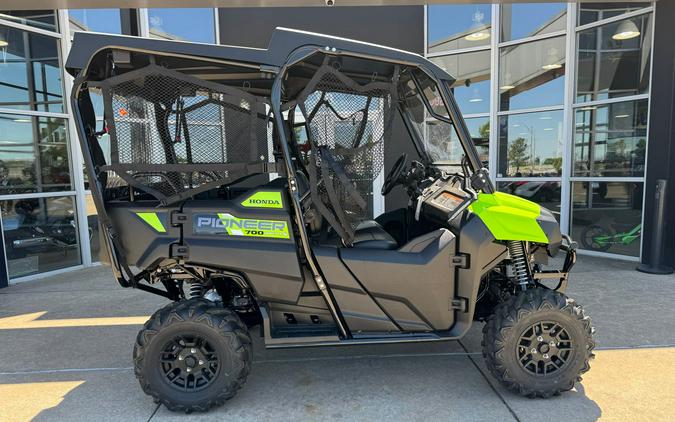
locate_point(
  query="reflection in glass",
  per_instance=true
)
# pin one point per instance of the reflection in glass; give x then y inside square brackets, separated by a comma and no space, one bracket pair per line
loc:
[593,12]
[546,194]
[43,19]
[444,146]
[611,140]
[188,24]
[451,27]
[479,128]
[92,224]
[30,78]
[532,74]
[96,20]
[28,164]
[40,234]
[614,60]
[607,216]
[527,20]
[442,143]
[530,145]
[472,85]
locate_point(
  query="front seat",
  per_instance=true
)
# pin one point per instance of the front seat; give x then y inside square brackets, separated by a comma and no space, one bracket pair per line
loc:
[370,235]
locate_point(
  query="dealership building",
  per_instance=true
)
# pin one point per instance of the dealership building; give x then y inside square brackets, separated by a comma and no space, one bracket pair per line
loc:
[570,105]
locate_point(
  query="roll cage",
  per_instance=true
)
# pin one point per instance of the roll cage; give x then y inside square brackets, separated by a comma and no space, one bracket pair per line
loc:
[95,55]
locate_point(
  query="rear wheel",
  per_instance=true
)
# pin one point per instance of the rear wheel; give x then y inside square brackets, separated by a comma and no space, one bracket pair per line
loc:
[596,238]
[192,355]
[538,343]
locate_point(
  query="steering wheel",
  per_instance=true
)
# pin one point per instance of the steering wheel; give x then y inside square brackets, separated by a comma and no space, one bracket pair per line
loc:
[394,174]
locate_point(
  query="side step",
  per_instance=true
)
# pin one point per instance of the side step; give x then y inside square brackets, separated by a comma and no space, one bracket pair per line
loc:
[314,335]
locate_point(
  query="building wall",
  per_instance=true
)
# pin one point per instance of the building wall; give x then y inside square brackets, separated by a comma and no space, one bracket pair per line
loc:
[393,26]
[662,129]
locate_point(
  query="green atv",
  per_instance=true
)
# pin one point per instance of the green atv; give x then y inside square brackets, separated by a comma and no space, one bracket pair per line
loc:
[248,186]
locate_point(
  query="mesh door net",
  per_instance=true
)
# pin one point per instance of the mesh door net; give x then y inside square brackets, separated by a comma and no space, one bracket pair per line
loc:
[347,124]
[174,135]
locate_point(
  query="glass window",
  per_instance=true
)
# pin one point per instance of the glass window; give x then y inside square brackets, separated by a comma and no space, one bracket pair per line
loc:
[30,77]
[532,74]
[610,140]
[33,154]
[40,234]
[182,24]
[530,144]
[593,12]
[479,128]
[96,20]
[607,216]
[451,27]
[472,85]
[527,20]
[544,193]
[443,143]
[43,19]
[614,60]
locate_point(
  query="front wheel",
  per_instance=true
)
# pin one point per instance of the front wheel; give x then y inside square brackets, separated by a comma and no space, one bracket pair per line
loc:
[192,355]
[538,343]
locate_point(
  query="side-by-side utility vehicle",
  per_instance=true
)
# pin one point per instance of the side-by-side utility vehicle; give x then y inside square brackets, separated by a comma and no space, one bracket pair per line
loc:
[251,187]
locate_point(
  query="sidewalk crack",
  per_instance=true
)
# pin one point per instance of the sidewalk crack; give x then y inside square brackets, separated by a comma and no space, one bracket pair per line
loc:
[155,411]
[501,398]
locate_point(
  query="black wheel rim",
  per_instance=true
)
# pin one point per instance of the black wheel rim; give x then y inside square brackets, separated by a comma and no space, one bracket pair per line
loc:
[590,242]
[544,348]
[189,363]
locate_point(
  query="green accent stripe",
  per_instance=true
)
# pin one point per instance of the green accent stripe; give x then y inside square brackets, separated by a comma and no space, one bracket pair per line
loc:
[153,220]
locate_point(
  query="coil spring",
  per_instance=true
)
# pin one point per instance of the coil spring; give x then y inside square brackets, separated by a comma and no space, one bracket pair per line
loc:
[521,268]
[197,289]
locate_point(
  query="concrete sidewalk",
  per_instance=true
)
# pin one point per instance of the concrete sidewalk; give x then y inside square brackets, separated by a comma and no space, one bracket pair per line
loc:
[61,370]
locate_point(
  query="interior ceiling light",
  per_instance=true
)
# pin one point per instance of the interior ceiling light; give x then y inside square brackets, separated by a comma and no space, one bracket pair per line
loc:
[22,120]
[508,81]
[552,60]
[475,98]
[548,128]
[479,33]
[626,30]
[621,116]
[545,118]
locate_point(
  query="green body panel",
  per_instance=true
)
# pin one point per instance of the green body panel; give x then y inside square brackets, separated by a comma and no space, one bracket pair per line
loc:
[153,221]
[509,217]
[263,199]
[248,227]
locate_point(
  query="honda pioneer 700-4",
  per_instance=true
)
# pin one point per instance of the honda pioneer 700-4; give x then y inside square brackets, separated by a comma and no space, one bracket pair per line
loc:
[251,187]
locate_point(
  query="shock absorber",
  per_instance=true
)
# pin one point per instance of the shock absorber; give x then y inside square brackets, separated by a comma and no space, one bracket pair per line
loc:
[521,267]
[197,289]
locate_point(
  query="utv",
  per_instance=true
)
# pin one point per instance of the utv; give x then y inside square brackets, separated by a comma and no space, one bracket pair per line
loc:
[248,187]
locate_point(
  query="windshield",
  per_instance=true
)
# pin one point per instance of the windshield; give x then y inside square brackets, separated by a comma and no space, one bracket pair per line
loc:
[429,116]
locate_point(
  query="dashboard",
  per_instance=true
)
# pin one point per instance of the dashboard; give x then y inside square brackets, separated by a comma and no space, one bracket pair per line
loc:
[444,199]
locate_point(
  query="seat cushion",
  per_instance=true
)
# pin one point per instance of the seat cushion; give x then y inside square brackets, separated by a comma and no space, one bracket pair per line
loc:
[369,234]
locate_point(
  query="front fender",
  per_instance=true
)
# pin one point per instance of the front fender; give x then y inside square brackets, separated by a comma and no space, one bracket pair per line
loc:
[509,217]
